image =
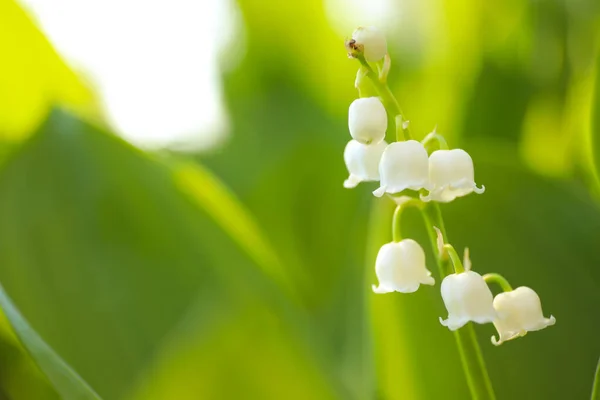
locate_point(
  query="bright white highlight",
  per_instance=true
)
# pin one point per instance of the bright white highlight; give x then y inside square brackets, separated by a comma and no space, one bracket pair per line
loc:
[154,64]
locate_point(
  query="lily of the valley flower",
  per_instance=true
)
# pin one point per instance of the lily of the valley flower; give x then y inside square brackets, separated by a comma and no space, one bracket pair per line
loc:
[404,165]
[518,312]
[451,175]
[367,120]
[467,298]
[362,162]
[400,267]
[372,41]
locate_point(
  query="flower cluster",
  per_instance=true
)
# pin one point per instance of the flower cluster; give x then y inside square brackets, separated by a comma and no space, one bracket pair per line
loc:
[420,172]
[445,174]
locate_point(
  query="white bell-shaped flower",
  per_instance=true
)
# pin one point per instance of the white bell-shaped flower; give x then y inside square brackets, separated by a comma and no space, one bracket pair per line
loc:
[372,41]
[367,120]
[404,165]
[467,298]
[451,175]
[400,267]
[362,162]
[518,312]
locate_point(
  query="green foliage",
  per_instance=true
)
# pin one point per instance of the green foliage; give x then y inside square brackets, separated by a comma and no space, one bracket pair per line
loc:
[595,121]
[66,381]
[149,279]
[105,256]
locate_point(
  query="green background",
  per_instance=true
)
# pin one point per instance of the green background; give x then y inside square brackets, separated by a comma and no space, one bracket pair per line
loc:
[245,272]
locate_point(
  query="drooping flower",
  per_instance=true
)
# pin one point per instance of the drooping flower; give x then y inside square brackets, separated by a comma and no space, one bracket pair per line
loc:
[362,162]
[400,267]
[404,165]
[451,175]
[372,41]
[467,298]
[367,120]
[518,312]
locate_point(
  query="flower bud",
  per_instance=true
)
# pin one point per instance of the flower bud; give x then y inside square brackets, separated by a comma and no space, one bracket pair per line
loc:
[367,120]
[518,312]
[400,267]
[372,41]
[404,165]
[467,298]
[362,162]
[451,175]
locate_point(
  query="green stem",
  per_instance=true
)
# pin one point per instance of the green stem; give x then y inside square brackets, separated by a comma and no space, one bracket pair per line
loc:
[458,266]
[596,386]
[388,100]
[396,229]
[442,144]
[471,357]
[433,218]
[498,279]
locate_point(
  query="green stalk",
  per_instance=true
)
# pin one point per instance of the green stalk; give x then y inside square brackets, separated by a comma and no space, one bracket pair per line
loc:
[596,386]
[471,357]
[434,136]
[458,266]
[396,220]
[498,279]
[473,363]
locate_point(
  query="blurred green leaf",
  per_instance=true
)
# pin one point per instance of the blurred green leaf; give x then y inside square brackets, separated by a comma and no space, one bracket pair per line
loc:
[595,121]
[66,381]
[210,194]
[596,383]
[105,256]
[20,376]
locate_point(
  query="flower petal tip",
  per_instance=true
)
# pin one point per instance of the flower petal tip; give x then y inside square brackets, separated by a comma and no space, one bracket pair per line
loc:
[350,183]
[452,324]
[379,289]
[479,190]
[426,198]
[379,192]
[428,281]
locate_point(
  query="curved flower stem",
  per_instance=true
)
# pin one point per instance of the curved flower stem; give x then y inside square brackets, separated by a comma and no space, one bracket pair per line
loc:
[442,144]
[500,280]
[458,266]
[396,229]
[473,363]
[388,100]
[596,386]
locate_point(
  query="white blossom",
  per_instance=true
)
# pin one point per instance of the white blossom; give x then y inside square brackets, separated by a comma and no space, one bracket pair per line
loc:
[362,162]
[404,165]
[367,120]
[518,312]
[400,267]
[373,42]
[467,298]
[451,175]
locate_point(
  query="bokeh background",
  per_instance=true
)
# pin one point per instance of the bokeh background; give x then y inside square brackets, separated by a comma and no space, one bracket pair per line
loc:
[172,218]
